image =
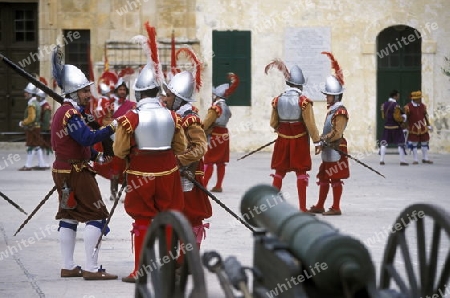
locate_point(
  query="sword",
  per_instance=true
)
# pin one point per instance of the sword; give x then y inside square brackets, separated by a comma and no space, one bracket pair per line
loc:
[259,149]
[188,176]
[405,135]
[351,157]
[113,208]
[36,209]
[12,203]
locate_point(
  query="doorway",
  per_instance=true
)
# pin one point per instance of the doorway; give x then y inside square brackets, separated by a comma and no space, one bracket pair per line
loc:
[19,43]
[399,58]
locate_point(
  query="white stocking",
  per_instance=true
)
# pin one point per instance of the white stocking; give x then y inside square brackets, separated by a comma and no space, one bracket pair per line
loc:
[401,151]
[67,241]
[91,235]
[382,152]
[414,151]
[424,152]
[30,156]
[42,162]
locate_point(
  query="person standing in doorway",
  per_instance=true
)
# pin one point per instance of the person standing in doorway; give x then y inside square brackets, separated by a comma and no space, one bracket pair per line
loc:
[394,120]
[418,127]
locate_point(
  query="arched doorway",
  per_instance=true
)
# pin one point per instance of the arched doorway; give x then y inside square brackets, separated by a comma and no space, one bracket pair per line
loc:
[398,65]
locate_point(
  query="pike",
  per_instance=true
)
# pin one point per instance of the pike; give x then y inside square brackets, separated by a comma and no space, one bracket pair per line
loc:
[188,176]
[107,144]
[36,209]
[20,71]
[259,149]
[355,159]
[12,203]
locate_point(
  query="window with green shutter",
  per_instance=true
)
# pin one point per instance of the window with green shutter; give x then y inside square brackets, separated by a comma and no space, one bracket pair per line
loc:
[232,53]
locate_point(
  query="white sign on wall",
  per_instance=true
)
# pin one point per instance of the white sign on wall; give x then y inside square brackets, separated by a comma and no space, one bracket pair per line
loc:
[303,47]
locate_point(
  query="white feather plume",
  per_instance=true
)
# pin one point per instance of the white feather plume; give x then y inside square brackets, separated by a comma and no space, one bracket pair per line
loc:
[142,41]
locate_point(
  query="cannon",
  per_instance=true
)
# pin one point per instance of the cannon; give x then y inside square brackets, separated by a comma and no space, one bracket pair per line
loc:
[296,255]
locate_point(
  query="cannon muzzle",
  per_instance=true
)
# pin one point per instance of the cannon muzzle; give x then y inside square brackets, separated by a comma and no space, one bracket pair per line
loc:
[334,261]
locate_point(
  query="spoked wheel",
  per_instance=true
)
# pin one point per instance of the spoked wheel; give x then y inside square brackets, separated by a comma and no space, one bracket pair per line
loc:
[421,268]
[159,260]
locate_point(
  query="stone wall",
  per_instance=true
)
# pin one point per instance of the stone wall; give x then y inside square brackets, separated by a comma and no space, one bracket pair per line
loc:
[354,28]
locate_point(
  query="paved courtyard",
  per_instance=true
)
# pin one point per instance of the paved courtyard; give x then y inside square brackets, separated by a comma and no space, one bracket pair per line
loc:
[30,261]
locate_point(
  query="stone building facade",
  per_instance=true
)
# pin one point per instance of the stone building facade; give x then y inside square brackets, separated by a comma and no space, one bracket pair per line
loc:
[354,30]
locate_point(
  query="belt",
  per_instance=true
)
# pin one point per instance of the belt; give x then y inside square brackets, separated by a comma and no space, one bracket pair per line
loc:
[73,161]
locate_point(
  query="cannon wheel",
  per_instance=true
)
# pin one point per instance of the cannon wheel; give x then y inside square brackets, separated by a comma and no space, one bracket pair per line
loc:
[165,282]
[430,277]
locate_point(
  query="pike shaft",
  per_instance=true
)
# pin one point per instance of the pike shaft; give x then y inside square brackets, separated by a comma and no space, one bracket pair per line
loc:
[190,178]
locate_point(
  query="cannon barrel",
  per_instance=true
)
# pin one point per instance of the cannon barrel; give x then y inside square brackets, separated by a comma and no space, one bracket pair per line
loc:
[342,259]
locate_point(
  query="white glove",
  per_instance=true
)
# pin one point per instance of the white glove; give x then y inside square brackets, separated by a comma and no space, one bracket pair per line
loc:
[404,117]
[430,128]
[100,159]
[21,123]
[114,125]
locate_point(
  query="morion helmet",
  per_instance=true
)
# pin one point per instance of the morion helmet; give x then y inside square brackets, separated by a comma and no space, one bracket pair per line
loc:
[294,76]
[334,83]
[30,88]
[182,85]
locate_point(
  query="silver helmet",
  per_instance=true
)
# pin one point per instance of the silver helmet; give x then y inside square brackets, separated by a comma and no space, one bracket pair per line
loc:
[146,79]
[121,82]
[220,90]
[296,76]
[73,79]
[332,86]
[40,93]
[182,85]
[30,88]
[103,89]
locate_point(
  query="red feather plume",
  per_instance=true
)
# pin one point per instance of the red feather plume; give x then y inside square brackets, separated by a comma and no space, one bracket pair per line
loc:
[277,63]
[197,64]
[234,80]
[152,44]
[337,68]
[127,71]
[109,77]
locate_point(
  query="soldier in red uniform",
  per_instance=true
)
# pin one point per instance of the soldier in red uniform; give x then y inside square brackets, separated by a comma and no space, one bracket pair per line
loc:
[293,120]
[149,137]
[215,126]
[101,107]
[79,195]
[118,105]
[418,127]
[197,206]
[334,166]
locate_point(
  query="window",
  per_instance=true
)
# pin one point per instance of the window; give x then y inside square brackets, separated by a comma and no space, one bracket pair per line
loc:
[76,47]
[232,53]
[24,25]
